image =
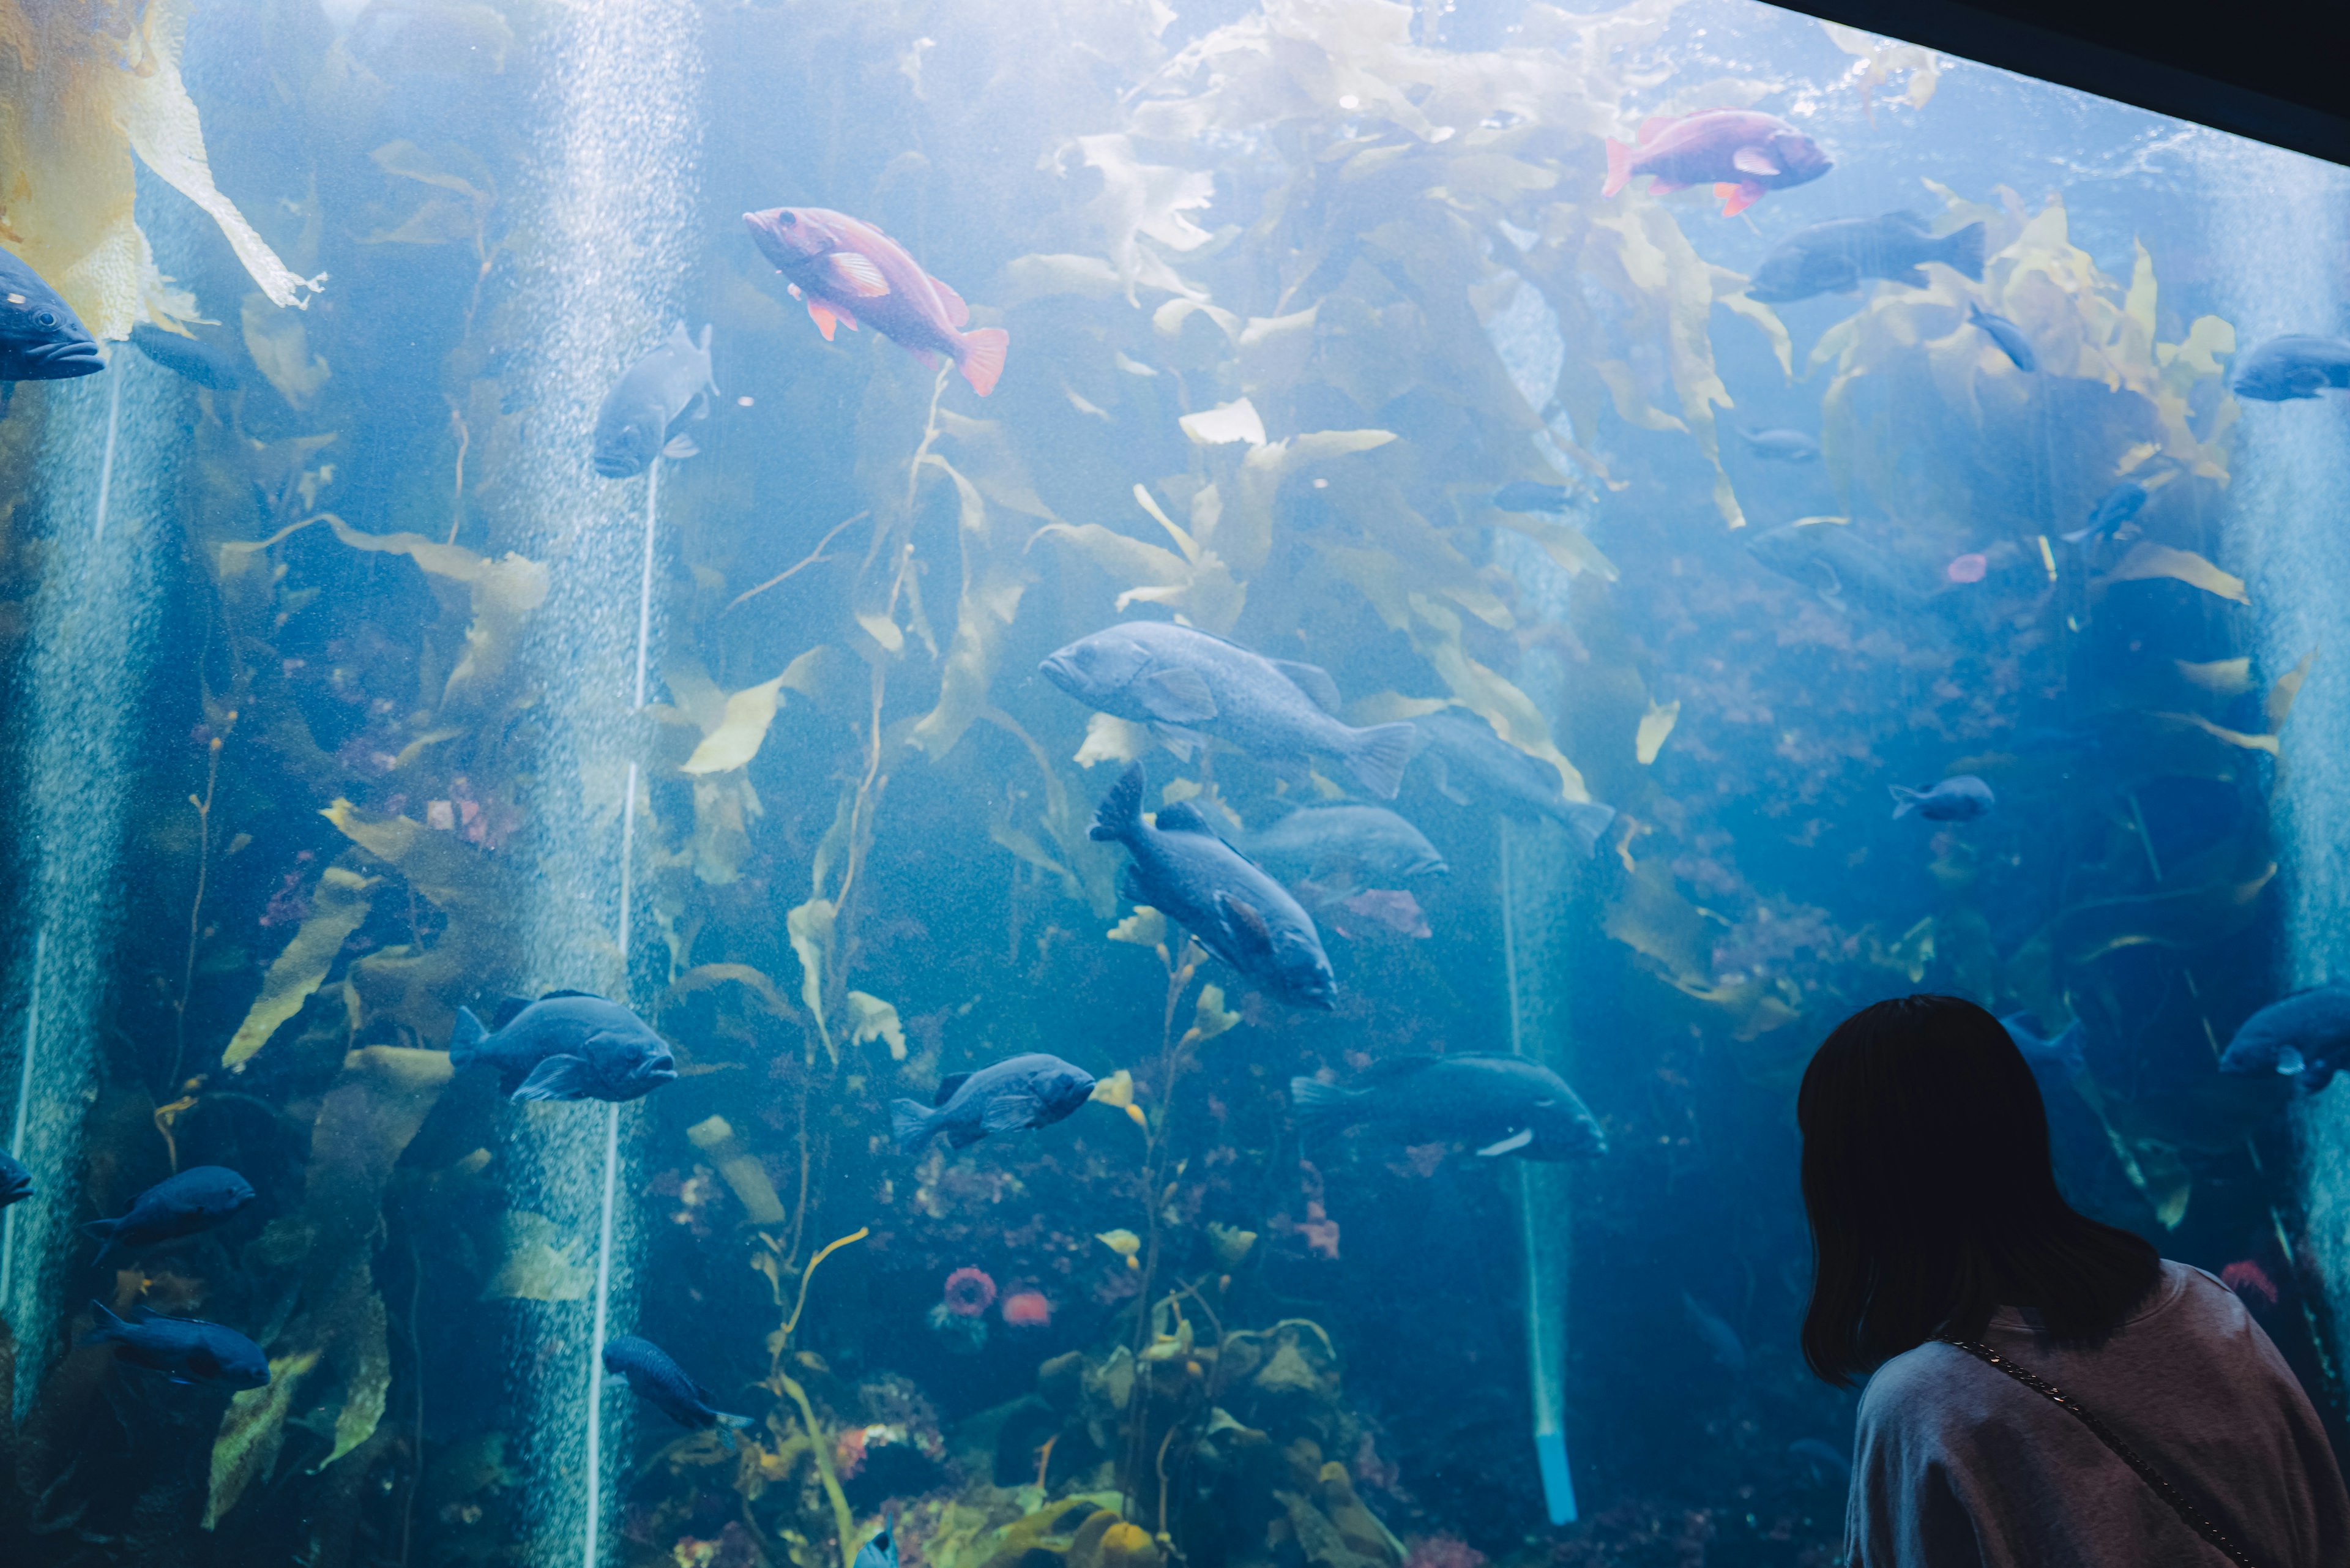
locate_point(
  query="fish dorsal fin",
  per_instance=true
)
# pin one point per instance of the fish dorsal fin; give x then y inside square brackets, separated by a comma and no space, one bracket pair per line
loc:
[958,313]
[1182,818]
[1910,220]
[1754,160]
[1655,125]
[948,1085]
[855,272]
[1312,680]
[509,1009]
[1388,1068]
[678,337]
[551,995]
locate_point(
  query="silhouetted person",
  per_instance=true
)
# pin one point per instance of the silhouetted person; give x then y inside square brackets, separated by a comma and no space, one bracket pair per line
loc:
[1947,1261]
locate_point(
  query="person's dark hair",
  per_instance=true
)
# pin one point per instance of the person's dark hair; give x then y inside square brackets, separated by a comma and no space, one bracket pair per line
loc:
[1931,1195]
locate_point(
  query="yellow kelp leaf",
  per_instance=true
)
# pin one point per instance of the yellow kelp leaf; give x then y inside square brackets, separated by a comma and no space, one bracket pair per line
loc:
[2223,677]
[1124,1242]
[1140,200]
[2279,706]
[1127,559]
[1210,1017]
[1487,693]
[2233,737]
[1041,276]
[994,577]
[810,927]
[1225,423]
[250,1433]
[1117,1092]
[337,908]
[2148,560]
[1879,58]
[2207,338]
[743,725]
[870,1018]
[742,1171]
[280,347]
[1243,534]
[1387,707]
[539,1264]
[1146,928]
[1652,919]
[366,1382]
[1655,725]
[1109,739]
[1730,293]
[701,977]
[2184,917]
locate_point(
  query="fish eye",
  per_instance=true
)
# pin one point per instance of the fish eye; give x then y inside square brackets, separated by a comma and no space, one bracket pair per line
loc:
[46,319]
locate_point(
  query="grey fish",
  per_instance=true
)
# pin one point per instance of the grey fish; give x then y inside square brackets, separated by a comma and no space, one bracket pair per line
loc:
[2007,335]
[1241,915]
[1505,1104]
[1781,446]
[2280,369]
[1849,568]
[2062,1055]
[1183,682]
[1826,1457]
[1835,256]
[198,1199]
[190,358]
[2305,1035]
[643,413]
[41,339]
[1961,798]
[1471,763]
[2115,507]
[881,1552]
[655,1378]
[186,1349]
[1368,838]
[1032,1090]
[15,1181]
[1528,495]
[566,1045]
[1720,1340]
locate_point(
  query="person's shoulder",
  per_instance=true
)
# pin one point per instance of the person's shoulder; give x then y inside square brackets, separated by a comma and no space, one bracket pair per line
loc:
[1913,1381]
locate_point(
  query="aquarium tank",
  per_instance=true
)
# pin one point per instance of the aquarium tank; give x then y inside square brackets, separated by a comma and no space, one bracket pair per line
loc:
[943,784]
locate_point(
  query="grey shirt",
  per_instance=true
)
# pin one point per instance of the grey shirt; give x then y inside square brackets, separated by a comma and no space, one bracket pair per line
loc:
[1960,1466]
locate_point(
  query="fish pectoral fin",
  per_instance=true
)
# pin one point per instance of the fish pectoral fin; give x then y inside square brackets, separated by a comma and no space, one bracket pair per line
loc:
[828,315]
[1245,921]
[555,1078]
[1177,696]
[1010,1113]
[681,447]
[964,1136]
[614,1380]
[1510,1145]
[857,273]
[2290,1062]
[1754,160]
[1177,738]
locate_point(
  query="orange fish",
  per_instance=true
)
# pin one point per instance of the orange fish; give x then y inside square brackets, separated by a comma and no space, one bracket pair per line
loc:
[849,273]
[1743,153]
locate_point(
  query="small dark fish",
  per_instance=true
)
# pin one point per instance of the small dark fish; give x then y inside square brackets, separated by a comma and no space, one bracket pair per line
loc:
[1843,563]
[2305,1035]
[1961,798]
[2061,1055]
[881,1552]
[198,1199]
[2295,366]
[1505,1104]
[1741,153]
[186,1349]
[15,1181]
[1369,839]
[41,339]
[660,1382]
[1183,682]
[1526,495]
[566,1045]
[2115,507]
[1830,1462]
[1781,446]
[1721,1340]
[190,358]
[1032,1090]
[1240,914]
[1835,256]
[2007,335]
[644,415]
[1469,762]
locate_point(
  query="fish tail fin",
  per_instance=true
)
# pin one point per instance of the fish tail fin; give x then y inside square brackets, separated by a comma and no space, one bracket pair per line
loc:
[728,1426]
[1619,167]
[103,1230]
[465,1037]
[983,357]
[1120,812]
[1905,800]
[1589,821]
[1380,755]
[106,1328]
[910,1124]
[2068,1046]
[1319,1107]
[1962,251]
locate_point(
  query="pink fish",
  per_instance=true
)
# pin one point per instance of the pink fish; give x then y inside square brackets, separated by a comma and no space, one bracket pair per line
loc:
[1743,153]
[848,272]
[1968,568]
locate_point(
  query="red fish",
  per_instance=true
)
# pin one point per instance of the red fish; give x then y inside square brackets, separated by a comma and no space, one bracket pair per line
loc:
[1743,153]
[849,272]
[2247,1278]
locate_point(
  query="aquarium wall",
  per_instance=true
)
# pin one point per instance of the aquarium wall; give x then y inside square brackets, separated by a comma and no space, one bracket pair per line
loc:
[1073,786]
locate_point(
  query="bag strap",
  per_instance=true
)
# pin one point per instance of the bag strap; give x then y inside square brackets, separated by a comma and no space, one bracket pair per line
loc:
[2192,1516]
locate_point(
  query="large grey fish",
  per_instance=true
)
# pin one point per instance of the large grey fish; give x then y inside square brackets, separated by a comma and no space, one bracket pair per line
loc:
[1961,798]
[1779,445]
[1241,915]
[644,415]
[1185,683]
[1471,763]
[654,1376]
[15,1181]
[41,339]
[1836,256]
[1844,565]
[1722,1341]
[1369,839]
[1032,1090]
[1506,1105]
[197,1199]
[566,1045]
[205,363]
[2296,365]
[2305,1036]
[185,1349]
[2060,1054]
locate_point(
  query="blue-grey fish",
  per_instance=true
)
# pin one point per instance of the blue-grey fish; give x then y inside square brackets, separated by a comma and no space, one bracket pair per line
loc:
[881,1552]
[2305,1036]
[190,358]
[41,339]
[1831,1462]
[1961,798]
[1503,1105]
[644,415]
[198,1199]
[2061,1055]
[1835,256]
[566,1045]
[1185,683]
[2007,335]
[1848,564]
[1528,495]
[1470,764]
[1243,916]
[657,1379]
[1779,446]
[15,1181]
[1031,1090]
[2295,366]
[186,1349]
[1368,839]
[1720,1340]
[2113,508]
